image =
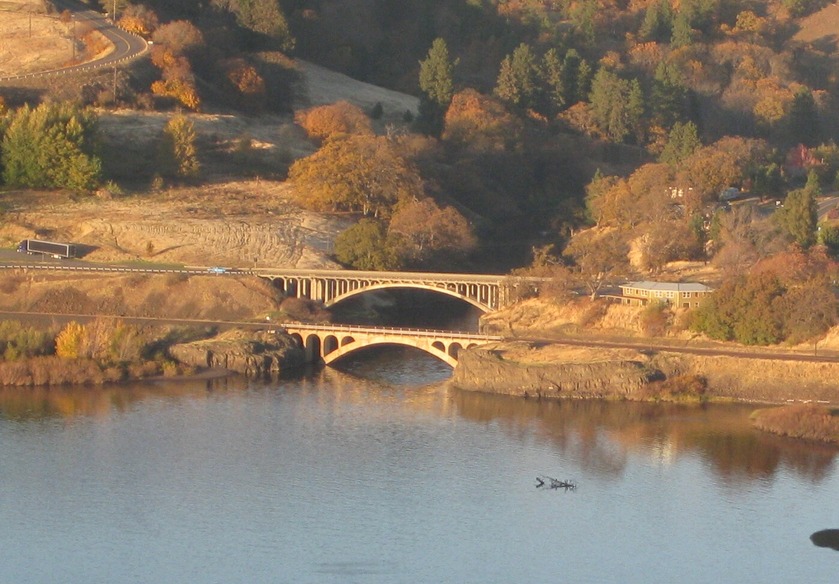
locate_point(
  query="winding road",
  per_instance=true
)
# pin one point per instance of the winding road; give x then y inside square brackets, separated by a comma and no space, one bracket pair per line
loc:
[127,46]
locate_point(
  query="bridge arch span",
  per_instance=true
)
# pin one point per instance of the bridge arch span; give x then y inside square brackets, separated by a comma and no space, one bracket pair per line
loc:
[388,286]
[332,356]
[328,343]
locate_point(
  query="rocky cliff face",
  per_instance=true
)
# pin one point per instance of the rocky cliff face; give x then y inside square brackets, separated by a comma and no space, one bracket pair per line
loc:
[488,370]
[602,373]
[250,353]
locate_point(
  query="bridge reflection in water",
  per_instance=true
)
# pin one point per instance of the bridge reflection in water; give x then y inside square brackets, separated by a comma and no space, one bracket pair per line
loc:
[327,343]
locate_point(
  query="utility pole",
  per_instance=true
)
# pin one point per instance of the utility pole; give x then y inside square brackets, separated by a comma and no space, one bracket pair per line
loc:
[73,18]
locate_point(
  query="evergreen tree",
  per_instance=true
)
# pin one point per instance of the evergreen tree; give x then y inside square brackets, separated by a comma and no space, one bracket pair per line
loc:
[554,80]
[571,82]
[799,216]
[682,34]
[519,77]
[803,125]
[436,80]
[681,143]
[669,96]
[366,246]
[616,105]
[635,110]
[51,146]
[658,22]
[583,81]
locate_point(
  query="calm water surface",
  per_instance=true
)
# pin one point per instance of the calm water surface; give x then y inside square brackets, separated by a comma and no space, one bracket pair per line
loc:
[393,478]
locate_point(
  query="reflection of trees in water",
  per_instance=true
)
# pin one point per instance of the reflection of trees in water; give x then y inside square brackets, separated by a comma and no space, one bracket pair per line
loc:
[34,403]
[599,434]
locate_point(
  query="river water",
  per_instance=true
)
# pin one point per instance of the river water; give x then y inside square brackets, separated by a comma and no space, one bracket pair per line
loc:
[393,478]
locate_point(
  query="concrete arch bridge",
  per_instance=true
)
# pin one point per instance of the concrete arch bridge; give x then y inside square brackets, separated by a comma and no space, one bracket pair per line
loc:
[327,343]
[486,292]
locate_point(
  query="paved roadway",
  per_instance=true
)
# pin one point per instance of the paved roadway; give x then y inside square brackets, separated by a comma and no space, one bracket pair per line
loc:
[127,46]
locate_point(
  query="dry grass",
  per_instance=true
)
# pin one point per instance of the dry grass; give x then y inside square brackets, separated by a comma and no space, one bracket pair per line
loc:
[809,421]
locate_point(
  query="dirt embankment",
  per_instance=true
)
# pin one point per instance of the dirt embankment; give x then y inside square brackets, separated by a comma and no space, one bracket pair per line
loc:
[236,224]
[223,298]
[556,371]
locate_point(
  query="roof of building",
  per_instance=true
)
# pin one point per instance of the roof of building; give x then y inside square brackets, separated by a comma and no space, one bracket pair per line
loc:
[669,286]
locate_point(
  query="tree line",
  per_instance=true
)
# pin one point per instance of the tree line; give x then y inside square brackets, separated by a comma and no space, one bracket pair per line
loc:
[57,146]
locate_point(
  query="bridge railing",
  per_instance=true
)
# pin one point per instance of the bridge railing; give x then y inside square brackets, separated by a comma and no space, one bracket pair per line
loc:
[415,332]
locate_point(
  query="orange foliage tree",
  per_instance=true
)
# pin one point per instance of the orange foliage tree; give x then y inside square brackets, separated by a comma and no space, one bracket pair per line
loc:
[172,43]
[480,123]
[326,121]
[359,173]
[426,230]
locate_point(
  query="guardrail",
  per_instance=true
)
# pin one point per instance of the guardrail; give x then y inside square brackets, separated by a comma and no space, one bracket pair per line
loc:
[203,272]
[394,330]
[85,67]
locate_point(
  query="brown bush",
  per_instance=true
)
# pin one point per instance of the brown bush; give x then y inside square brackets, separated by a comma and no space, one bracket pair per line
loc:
[304,310]
[809,421]
[593,311]
[681,388]
[143,369]
[51,371]
[340,117]
[10,284]
[655,319]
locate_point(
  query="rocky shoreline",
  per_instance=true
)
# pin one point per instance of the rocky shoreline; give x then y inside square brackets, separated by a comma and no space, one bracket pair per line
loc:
[525,370]
[255,354]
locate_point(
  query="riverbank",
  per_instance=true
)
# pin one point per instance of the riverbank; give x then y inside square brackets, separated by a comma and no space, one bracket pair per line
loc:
[554,370]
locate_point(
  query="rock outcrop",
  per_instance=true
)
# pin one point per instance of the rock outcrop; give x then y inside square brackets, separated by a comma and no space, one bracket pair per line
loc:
[557,371]
[252,353]
[487,369]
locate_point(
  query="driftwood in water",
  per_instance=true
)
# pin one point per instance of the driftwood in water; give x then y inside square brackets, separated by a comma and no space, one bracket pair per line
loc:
[552,483]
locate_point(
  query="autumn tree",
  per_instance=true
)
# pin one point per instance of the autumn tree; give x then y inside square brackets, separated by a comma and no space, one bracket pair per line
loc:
[763,308]
[178,151]
[68,343]
[436,81]
[246,82]
[326,121]
[479,123]
[265,17]
[139,19]
[105,340]
[173,43]
[358,173]
[598,257]
[427,232]
[668,241]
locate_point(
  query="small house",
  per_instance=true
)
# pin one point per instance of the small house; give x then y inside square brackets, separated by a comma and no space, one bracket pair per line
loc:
[679,294]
